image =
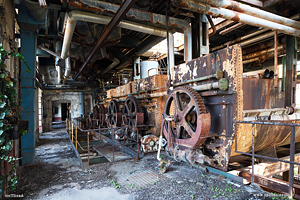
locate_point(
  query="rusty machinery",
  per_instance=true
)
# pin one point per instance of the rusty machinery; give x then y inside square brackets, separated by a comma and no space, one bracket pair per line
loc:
[209,94]
[138,120]
[198,113]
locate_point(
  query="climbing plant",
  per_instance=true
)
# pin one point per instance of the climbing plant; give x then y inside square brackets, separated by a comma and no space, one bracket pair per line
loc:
[8,115]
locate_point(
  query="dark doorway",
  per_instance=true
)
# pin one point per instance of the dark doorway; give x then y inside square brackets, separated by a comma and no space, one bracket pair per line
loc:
[64,111]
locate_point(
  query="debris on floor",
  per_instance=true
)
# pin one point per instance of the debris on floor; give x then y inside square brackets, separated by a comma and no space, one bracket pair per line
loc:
[59,175]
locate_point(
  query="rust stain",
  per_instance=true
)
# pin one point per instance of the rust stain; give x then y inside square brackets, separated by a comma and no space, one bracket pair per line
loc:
[236,18]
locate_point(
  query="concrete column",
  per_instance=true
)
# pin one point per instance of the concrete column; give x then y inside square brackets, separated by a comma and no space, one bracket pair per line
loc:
[81,104]
[28,49]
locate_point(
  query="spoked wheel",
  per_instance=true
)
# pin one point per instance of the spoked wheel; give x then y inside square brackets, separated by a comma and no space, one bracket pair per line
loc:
[113,115]
[130,113]
[190,120]
[102,113]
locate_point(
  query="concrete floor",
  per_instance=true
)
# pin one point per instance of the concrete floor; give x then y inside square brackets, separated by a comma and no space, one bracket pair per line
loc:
[58,174]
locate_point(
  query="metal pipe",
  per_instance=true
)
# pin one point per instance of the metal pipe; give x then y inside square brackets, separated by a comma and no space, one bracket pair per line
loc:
[212,25]
[153,18]
[259,53]
[235,16]
[276,68]
[231,28]
[217,75]
[113,23]
[75,15]
[292,159]
[111,66]
[222,84]
[241,39]
[49,51]
[68,68]
[244,8]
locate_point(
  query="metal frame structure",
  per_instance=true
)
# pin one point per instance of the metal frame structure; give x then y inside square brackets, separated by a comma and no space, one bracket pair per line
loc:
[253,155]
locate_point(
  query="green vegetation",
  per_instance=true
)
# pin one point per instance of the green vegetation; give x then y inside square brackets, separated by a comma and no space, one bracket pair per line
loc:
[8,115]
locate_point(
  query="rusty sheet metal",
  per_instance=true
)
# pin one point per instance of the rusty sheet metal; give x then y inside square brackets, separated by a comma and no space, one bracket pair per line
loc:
[224,106]
[266,136]
[261,94]
[109,8]
[149,83]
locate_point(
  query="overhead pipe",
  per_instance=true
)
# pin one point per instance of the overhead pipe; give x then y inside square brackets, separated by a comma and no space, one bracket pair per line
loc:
[235,16]
[246,9]
[111,66]
[157,19]
[249,41]
[74,16]
[259,53]
[231,28]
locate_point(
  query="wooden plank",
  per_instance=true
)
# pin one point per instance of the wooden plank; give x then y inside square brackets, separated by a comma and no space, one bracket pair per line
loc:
[269,169]
[271,183]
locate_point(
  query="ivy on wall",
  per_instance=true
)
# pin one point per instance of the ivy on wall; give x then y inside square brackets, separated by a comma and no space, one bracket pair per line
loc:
[9,115]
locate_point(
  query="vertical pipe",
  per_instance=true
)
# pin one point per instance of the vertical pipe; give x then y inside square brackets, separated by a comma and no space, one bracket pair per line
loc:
[69,129]
[138,144]
[58,47]
[290,50]
[292,158]
[196,35]
[283,74]
[171,54]
[276,59]
[76,137]
[252,177]
[72,133]
[88,139]
[81,104]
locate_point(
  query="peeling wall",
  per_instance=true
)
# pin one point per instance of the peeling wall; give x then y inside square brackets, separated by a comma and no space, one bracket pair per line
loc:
[51,99]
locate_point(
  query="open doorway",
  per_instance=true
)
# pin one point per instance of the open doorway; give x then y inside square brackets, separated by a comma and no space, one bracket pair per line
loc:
[64,111]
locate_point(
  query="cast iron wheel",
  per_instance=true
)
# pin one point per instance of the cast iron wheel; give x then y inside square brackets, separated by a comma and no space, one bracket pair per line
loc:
[112,113]
[190,118]
[130,109]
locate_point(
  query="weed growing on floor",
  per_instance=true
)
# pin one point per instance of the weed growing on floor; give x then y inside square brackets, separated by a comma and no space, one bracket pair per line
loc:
[115,184]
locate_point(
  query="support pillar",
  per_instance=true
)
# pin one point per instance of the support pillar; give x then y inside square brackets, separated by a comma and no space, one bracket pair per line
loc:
[290,78]
[200,44]
[28,50]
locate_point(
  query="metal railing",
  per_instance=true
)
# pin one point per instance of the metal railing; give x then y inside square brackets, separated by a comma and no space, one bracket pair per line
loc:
[292,149]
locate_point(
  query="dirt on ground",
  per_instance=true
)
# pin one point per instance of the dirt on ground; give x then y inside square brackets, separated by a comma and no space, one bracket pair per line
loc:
[58,174]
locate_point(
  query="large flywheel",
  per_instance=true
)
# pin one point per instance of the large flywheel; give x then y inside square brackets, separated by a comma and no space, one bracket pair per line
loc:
[132,116]
[113,114]
[188,122]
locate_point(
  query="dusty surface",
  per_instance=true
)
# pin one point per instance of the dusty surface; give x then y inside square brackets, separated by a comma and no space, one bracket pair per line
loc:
[57,175]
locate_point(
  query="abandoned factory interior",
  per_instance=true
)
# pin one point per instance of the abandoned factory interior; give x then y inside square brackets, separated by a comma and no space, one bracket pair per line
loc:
[149,99]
